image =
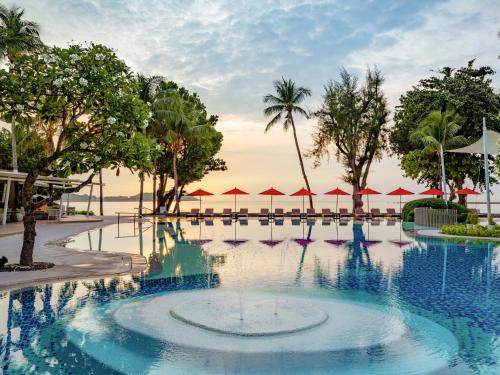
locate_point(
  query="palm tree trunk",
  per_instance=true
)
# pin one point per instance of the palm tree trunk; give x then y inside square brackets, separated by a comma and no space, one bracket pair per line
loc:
[14,144]
[141,192]
[300,159]
[154,188]
[176,183]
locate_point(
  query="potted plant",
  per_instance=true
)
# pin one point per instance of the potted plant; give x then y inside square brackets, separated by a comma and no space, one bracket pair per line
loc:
[472,220]
[491,223]
[20,214]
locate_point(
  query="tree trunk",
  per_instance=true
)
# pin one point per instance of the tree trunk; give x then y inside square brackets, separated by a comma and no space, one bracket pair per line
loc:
[141,192]
[176,184]
[14,144]
[300,159]
[26,258]
[101,196]
[160,193]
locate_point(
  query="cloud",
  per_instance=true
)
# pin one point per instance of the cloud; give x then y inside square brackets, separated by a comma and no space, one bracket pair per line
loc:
[448,34]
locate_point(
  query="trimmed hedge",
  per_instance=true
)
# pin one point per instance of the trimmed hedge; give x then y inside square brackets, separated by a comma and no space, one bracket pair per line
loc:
[476,231]
[409,208]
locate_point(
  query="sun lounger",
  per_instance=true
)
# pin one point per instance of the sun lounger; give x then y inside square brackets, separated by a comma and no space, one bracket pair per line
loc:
[326,221]
[226,212]
[263,221]
[209,212]
[326,213]
[344,220]
[375,221]
[279,222]
[264,213]
[311,212]
[278,212]
[391,221]
[243,221]
[195,212]
[391,212]
[295,213]
[227,222]
[375,212]
[209,222]
[344,213]
[295,221]
[243,213]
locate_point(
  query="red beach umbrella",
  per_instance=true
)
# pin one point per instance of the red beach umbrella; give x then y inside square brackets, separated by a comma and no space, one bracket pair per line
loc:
[302,193]
[400,191]
[271,192]
[337,192]
[200,193]
[235,192]
[432,192]
[367,192]
[466,191]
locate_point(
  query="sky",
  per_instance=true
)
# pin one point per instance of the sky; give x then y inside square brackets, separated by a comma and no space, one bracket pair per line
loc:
[229,52]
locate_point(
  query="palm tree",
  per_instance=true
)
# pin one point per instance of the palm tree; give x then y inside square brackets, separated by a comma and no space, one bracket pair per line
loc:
[17,36]
[146,89]
[284,104]
[174,123]
[438,132]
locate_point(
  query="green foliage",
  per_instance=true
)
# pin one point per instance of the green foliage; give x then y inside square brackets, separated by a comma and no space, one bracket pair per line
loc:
[352,121]
[476,231]
[491,221]
[469,91]
[285,103]
[17,35]
[30,147]
[84,212]
[88,97]
[472,218]
[437,203]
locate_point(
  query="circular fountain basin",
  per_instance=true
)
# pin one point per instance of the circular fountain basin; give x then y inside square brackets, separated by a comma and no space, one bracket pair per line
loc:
[211,320]
[252,315]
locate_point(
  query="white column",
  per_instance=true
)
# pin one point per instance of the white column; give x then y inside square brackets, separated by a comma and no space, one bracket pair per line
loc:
[90,198]
[486,168]
[61,202]
[6,202]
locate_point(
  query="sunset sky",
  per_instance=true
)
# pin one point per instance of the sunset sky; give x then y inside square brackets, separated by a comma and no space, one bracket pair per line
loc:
[231,51]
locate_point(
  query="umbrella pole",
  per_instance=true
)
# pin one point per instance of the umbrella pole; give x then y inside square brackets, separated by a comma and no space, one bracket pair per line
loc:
[337,206]
[200,205]
[303,200]
[271,212]
[234,205]
[400,211]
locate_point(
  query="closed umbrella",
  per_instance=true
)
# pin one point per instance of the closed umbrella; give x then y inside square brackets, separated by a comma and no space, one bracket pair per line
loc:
[400,191]
[271,192]
[200,193]
[367,192]
[235,192]
[302,193]
[337,192]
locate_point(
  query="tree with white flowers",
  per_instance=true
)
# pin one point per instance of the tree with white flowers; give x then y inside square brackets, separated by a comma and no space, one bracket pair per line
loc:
[86,98]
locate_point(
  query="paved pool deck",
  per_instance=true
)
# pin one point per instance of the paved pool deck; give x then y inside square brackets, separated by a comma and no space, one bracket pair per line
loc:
[69,263]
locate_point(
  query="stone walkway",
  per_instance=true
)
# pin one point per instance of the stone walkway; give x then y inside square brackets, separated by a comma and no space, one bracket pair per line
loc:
[69,263]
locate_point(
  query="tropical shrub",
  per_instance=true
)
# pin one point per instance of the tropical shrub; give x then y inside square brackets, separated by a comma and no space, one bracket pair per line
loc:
[476,231]
[437,203]
[472,218]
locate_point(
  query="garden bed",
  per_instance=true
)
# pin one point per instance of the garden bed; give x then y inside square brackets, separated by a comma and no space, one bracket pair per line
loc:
[475,231]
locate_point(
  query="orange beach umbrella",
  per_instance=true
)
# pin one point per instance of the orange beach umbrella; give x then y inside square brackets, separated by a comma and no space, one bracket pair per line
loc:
[271,192]
[200,193]
[302,193]
[337,192]
[235,192]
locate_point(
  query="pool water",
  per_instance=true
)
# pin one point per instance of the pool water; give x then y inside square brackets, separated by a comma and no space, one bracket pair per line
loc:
[313,298]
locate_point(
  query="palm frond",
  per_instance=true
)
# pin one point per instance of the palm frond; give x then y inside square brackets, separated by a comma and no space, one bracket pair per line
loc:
[273,121]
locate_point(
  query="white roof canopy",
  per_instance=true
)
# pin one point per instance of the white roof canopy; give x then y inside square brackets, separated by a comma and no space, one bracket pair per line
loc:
[477,147]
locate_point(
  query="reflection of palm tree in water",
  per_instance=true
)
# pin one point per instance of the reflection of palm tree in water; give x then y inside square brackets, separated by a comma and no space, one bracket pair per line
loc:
[358,272]
[305,243]
[184,258]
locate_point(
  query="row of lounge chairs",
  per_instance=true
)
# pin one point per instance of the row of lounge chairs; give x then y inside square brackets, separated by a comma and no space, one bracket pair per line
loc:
[296,213]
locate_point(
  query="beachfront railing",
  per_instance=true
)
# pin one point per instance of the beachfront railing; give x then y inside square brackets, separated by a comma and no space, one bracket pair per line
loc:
[434,218]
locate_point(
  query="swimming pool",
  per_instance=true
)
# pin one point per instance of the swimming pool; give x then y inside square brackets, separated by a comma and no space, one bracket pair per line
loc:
[256,297]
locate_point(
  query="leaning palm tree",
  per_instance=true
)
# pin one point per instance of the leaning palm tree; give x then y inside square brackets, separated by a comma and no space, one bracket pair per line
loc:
[17,36]
[174,124]
[146,90]
[437,132]
[284,104]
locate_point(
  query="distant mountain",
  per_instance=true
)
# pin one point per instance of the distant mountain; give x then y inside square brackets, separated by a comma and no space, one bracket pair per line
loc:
[148,197]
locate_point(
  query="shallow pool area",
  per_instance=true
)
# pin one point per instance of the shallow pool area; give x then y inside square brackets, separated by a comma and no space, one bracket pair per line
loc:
[253,297]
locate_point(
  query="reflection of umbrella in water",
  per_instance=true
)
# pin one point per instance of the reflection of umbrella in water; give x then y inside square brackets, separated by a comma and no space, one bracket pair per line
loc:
[337,243]
[400,244]
[199,241]
[271,242]
[235,242]
[369,243]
